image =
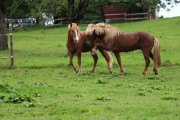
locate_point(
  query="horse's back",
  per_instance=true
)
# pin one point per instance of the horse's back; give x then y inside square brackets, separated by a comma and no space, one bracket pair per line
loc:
[133,41]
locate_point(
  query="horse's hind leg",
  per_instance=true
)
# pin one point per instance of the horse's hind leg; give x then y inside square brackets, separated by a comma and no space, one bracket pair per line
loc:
[95,57]
[147,61]
[151,55]
[154,68]
[117,54]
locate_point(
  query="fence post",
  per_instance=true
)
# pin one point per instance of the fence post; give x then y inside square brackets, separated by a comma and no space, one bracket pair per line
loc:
[11,44]
[150,13]
[125,16]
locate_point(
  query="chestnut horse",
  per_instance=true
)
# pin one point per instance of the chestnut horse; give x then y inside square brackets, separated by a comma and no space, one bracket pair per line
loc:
[79,41]
[116,41]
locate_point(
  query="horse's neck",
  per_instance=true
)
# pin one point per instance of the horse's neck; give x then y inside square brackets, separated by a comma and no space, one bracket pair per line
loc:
[82,32]
[81,35]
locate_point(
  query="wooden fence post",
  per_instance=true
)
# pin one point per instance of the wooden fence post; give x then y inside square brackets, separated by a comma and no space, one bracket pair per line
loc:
[11,44]
[125,16]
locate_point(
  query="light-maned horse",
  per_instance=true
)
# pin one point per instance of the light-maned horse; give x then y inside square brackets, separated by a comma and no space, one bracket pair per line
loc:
[78,42]
[117,41]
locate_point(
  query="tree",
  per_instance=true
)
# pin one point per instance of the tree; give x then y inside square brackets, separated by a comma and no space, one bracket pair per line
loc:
[76,13]
[3,36]
[49,7]
[74,9]
[10,9]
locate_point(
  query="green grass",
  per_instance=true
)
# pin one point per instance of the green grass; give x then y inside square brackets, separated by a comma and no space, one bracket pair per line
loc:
[42,86]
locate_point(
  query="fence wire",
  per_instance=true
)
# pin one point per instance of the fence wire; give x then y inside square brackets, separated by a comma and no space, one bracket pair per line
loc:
[168,37]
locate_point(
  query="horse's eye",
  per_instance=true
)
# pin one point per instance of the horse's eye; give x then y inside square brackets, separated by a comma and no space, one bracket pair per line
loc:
[72,31]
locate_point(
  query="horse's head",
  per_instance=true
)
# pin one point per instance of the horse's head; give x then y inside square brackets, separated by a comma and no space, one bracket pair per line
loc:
[74,32]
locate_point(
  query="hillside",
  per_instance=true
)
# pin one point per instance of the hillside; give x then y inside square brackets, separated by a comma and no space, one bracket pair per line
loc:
[43,86]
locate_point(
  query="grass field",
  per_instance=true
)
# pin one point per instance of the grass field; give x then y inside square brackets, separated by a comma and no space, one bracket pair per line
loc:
[42,86]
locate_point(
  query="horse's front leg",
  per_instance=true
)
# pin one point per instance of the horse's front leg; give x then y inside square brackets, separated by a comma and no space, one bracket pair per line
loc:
[117,54]
[71,54]
[79,71]
[93,51]
[95,58]
[108,58]
[100,46]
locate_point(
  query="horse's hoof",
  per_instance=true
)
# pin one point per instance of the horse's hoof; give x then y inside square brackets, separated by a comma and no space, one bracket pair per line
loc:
[156,73]
[122,73]
[92,71]
[78,72]
[143,74]
[110,71]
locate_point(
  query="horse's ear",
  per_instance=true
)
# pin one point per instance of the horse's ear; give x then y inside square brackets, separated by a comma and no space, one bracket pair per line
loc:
[70,25]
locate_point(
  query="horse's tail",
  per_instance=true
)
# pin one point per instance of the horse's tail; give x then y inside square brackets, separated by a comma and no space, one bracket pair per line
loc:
[110,64]
[156,54]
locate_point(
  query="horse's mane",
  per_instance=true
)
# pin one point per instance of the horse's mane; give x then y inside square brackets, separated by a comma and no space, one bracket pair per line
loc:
[90,29]
[72,25]
[103,29]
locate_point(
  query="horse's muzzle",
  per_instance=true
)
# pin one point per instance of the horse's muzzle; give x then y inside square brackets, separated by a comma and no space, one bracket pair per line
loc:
[76,41]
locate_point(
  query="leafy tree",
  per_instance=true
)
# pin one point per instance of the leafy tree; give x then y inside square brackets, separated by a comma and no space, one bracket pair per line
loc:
[3,36]
[10,9]
[77,9]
